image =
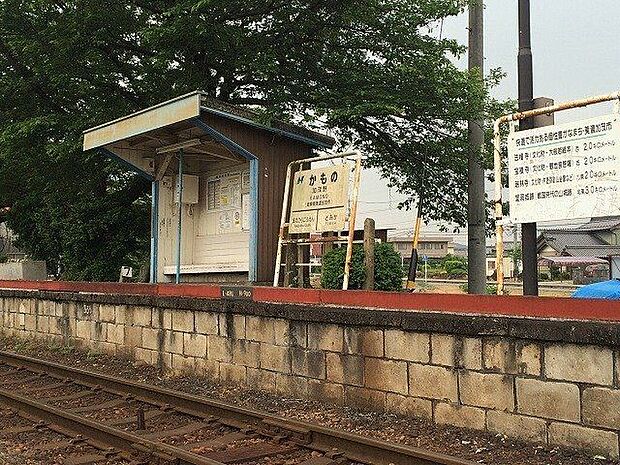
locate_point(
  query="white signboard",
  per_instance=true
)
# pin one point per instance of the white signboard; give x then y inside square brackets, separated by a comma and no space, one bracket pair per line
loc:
[566,171]
[319,199]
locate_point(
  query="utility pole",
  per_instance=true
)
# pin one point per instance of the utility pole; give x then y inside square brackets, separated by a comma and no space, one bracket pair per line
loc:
[526,97]
[476,208]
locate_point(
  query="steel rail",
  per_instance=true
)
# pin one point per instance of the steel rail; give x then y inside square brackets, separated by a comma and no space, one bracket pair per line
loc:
[100,432]
[355,447]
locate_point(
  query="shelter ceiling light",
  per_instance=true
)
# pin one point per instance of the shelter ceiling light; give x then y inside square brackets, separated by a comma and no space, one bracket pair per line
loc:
[178,146]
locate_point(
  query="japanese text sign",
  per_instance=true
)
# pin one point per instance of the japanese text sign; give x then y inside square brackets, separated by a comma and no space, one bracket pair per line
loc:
[319,199]
[565,171]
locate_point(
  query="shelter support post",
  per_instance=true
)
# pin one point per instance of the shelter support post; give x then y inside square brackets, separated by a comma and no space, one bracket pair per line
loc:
[497,162]
[154,230]
[180,220]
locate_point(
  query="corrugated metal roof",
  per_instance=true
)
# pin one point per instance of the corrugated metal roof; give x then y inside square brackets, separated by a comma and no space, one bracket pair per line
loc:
[247,115]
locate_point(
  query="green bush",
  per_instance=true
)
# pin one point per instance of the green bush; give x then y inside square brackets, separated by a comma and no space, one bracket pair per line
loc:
[388,270]
[332,268]
[455,268]
[543,277]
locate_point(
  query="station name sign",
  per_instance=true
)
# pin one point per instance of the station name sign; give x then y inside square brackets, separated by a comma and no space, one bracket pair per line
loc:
[319,199]
[566,171]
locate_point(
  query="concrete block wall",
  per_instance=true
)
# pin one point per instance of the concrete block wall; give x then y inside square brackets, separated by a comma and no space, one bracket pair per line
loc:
[550,382]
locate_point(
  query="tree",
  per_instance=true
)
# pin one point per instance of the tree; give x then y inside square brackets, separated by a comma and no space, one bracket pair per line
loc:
[376,72]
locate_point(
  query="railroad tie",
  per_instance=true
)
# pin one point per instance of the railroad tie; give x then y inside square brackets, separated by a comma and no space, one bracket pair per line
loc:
[148,415]
[87,459]
[190,428]
[216,442]
[252,452]
[92,408]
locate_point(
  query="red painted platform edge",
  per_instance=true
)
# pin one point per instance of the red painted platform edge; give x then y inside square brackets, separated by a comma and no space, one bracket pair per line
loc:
[535,307]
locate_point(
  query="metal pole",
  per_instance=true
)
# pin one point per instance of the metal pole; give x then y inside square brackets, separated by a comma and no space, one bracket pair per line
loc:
[526,97]
[356,188]
[179,229]
[476,209]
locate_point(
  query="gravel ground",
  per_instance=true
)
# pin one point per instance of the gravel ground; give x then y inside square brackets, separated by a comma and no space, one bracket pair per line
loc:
[479,447]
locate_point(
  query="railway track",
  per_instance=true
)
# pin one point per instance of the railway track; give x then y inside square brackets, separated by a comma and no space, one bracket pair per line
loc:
[117,421]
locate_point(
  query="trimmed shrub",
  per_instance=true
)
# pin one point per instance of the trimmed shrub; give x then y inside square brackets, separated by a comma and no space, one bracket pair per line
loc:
[388,269]
[332,268]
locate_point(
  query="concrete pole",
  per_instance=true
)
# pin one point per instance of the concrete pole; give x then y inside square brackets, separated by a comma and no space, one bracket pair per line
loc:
[369,253]
[526,97]
[476,209]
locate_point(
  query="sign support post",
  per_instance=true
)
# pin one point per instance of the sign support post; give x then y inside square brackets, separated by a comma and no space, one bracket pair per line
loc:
[356,188]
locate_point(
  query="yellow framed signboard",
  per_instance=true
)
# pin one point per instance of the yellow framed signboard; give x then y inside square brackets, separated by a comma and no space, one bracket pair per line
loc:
[319,199]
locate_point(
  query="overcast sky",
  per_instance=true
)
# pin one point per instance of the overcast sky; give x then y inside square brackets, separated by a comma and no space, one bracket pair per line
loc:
[575,47]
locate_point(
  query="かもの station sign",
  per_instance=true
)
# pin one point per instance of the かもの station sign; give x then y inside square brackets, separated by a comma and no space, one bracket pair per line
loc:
[319,199]
[566,171]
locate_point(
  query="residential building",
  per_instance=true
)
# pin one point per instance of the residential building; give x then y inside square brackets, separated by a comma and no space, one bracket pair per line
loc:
[429,246]
[595,240]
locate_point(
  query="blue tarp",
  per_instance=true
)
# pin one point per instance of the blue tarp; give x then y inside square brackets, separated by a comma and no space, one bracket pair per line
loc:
[604,290]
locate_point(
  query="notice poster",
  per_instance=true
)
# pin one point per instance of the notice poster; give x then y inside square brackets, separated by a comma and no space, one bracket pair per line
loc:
[566,171]
[319,199]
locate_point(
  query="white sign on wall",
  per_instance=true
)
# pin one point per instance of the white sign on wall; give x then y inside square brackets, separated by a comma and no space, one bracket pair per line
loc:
[566,171]
[319,199]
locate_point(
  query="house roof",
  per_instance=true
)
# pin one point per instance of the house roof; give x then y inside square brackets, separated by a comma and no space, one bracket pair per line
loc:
[571,261]
[601,224]
[559,239]
[593,251]
[576,243]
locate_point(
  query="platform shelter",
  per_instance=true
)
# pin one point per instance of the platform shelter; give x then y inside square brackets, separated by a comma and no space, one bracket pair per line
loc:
[218,174]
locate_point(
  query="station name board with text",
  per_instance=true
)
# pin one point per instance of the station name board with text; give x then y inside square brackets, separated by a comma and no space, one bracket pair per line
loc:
[319,199]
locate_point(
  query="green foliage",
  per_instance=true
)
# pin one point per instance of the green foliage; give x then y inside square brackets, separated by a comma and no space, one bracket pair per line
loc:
[543,276]
[455,268]
[388,270]
[332,272]
[377,72]
[453,258]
